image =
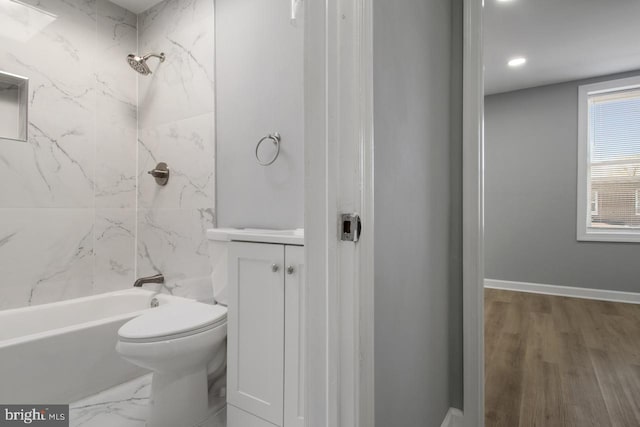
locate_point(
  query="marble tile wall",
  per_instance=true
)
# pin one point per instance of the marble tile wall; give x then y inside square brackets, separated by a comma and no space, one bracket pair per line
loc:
[67,198]
[78,212]
[176,126]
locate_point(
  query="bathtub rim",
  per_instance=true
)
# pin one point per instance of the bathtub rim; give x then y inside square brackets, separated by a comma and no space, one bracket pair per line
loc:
[171,299]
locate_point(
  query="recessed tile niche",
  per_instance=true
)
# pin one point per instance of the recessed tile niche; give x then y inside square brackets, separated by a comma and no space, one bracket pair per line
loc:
[13,106]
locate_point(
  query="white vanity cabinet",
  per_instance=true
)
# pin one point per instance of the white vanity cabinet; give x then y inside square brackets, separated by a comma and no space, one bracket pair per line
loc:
[265,339]
[294,336]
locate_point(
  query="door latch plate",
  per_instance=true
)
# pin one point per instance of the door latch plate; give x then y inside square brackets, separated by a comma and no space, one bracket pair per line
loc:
[350,227]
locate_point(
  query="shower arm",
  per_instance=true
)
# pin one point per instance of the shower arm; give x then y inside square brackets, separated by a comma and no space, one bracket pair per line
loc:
[160,56]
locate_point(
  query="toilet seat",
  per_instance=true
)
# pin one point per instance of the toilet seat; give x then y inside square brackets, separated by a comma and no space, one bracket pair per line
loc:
[173,321]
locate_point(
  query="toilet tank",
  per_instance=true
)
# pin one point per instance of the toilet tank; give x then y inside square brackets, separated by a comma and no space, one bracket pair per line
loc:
[219,239]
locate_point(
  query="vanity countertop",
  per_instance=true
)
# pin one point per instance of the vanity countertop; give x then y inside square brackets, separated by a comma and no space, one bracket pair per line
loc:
[283,237]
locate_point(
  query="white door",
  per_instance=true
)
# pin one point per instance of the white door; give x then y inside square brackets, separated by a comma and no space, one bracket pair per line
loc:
[256,329]
[294,342]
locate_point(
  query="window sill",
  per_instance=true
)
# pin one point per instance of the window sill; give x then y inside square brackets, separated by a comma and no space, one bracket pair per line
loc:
[613,236]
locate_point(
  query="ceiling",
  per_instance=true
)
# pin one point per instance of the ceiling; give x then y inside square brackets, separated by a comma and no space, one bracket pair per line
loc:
[562,40]
[136,6]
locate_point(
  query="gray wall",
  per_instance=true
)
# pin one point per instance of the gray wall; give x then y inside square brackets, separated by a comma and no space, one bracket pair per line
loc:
[412,68]
[259,90]
[531,184]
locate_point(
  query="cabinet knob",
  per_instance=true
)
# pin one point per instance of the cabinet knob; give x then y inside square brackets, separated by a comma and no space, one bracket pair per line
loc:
[275,267]
[290,269]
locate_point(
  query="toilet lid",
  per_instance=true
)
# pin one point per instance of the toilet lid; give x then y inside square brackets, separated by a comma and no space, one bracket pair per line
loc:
[173,319]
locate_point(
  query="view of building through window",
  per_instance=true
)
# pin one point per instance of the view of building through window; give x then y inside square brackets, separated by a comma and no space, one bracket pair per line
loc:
[614,161]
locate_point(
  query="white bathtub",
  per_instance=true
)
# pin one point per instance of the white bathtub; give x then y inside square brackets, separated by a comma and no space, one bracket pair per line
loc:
[64,351]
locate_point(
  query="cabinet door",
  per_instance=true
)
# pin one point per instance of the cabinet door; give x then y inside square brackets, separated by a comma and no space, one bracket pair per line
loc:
[255,355]
[294,337]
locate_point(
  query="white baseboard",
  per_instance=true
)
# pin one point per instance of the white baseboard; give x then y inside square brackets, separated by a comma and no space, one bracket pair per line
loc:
[564,291]
[453,418]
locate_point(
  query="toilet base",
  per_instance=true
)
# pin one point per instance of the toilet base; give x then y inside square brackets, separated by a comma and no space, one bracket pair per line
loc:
[178,400]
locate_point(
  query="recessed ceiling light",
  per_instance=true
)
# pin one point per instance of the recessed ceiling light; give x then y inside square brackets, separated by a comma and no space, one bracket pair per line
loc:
[517,62]
[504,1]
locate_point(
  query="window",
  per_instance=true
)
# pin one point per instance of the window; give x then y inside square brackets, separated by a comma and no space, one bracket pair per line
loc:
[609,161]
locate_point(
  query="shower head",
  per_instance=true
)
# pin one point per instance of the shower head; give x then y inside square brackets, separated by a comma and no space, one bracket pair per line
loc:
[139,63]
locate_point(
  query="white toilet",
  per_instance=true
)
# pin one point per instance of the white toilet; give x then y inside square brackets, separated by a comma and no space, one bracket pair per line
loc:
[177,342]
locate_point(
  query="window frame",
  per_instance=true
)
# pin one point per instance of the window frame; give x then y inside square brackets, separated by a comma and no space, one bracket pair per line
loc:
[584,231]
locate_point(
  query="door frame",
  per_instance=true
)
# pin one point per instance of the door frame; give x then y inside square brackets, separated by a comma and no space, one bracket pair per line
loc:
[473,214]
[339,179]
[339,135]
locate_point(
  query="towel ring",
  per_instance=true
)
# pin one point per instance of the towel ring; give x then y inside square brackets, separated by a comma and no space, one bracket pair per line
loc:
[275,137]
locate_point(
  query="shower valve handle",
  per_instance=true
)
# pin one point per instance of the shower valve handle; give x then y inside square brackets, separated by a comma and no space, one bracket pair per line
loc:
[160,173]
[156,173]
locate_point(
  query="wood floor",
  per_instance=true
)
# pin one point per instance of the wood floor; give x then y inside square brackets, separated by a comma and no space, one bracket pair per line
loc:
[555,361]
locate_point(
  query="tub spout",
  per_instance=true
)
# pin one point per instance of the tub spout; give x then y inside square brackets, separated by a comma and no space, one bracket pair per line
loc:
[158,278]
